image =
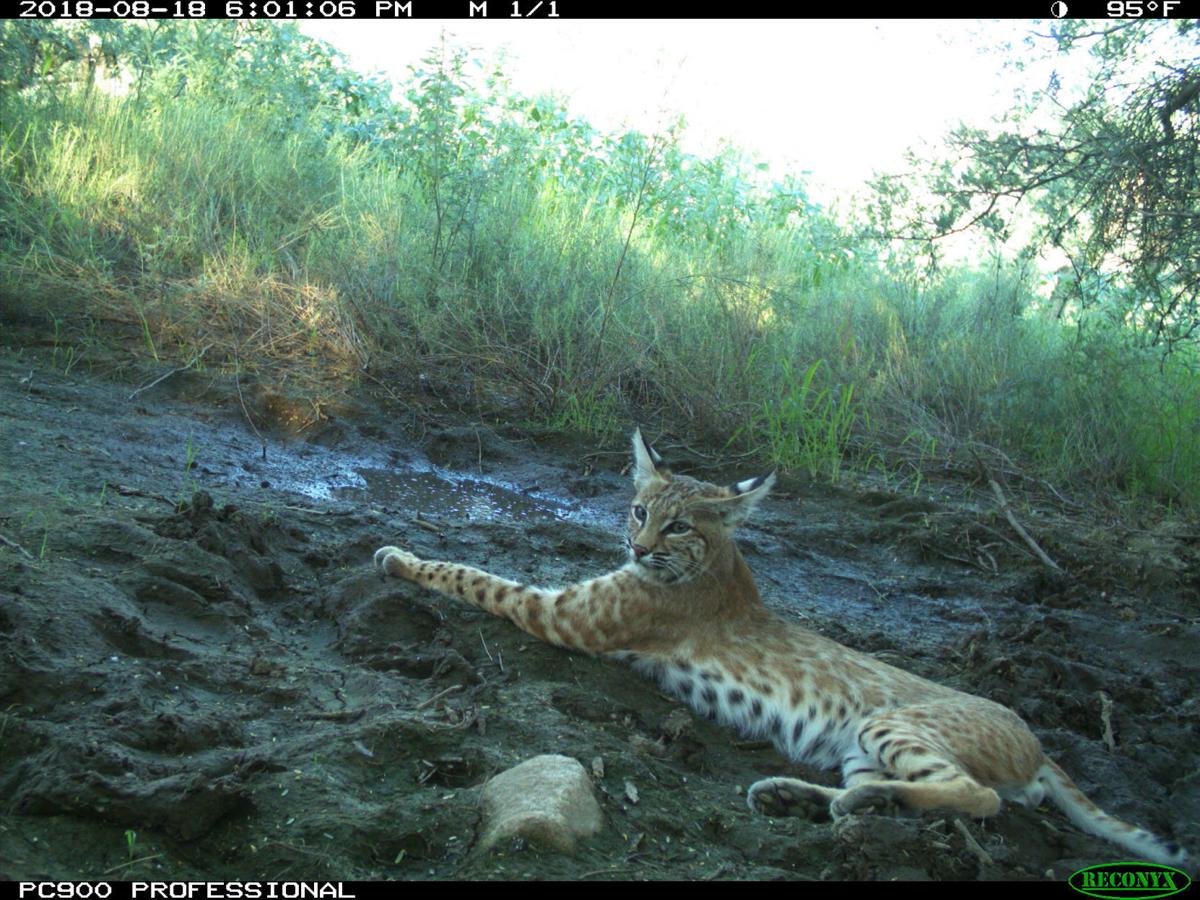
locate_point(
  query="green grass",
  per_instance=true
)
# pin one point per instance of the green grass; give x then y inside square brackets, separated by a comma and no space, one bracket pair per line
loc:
[194,225]
[806,426]
[187,484]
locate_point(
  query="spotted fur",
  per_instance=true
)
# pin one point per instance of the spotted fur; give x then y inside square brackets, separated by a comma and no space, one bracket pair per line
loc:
[685,612]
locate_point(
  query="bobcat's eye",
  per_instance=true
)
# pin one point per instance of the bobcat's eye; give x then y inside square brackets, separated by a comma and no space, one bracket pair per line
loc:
[639,512]
[677,528]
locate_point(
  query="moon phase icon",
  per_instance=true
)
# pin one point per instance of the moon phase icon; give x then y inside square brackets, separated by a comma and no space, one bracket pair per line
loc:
[1058,9]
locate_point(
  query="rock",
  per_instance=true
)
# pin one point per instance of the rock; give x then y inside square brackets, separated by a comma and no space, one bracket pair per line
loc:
[546,800]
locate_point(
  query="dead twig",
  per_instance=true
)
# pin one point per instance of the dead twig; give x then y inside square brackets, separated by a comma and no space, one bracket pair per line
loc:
[132,862]
[396,397]
[617,870]
[316,512]
[498,660]
[1067,504]
[195,359]
[438,696]
[973,563]
[718,461]
[237,381]
[1012,520]
[973,845]
[1106,706]
[485,647]
[126,491]
[15,546]
[1008,514]
[999,536]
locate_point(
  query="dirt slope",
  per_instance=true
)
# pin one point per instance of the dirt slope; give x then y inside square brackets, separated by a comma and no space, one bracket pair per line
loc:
[195,650]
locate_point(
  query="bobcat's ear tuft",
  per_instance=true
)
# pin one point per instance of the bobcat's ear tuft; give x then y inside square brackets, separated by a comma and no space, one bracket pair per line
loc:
[758,486]
[647,465]
[743,497]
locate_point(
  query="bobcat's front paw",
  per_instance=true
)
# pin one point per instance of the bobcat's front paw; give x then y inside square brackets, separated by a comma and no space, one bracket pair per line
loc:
[395,562]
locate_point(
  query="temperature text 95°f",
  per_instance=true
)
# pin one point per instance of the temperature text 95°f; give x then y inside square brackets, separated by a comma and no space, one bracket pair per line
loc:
[1136,9]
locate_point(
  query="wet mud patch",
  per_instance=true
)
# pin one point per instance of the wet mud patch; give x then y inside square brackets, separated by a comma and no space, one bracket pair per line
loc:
[194,647]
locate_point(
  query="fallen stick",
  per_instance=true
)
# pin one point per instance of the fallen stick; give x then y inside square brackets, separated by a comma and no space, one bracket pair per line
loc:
[973,845]
[195,359]
[307,511]
[7,543]
[132,862]
[438,696]
[1106,719]
[428,526]
[125,491]
[237,382]
[1012,520]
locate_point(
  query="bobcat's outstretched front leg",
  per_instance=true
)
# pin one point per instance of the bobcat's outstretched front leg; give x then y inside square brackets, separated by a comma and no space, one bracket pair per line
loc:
[585,616]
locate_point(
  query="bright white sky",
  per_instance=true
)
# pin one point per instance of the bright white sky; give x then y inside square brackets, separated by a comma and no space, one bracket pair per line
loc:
[834,99]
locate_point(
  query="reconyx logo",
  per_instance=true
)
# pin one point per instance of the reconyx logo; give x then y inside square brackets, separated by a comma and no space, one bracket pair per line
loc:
[1129,881]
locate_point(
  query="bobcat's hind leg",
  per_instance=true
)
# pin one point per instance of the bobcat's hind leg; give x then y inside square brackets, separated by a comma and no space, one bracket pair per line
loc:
[961,793]
[910,759]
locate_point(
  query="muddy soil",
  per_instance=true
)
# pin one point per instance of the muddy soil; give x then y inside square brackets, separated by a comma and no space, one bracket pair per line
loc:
[201,677]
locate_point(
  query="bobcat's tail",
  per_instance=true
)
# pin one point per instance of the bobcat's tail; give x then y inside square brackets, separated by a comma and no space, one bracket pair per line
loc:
[1088,816]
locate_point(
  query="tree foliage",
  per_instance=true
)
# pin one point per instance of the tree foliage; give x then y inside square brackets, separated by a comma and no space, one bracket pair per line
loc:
[1109,175]
[456,123]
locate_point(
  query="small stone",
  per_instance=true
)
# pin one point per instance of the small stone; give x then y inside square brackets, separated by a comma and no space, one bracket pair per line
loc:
[631,792]
[547,801]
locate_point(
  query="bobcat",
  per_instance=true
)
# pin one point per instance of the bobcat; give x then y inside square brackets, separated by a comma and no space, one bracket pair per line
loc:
[685,612]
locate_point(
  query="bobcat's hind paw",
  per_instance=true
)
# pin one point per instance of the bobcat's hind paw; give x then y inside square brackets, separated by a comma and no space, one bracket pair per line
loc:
[790,797]
[395,562]
[877,798]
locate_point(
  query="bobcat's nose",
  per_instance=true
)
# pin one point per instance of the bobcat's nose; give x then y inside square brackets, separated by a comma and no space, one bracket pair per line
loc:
[639,551]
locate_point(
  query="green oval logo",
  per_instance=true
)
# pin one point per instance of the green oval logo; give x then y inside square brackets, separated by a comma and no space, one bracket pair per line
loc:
[1129,881]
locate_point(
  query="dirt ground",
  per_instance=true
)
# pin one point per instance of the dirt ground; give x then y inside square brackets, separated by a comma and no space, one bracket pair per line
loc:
[201,676]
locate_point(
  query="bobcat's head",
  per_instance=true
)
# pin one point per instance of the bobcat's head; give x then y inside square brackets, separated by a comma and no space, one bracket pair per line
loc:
[677,525]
